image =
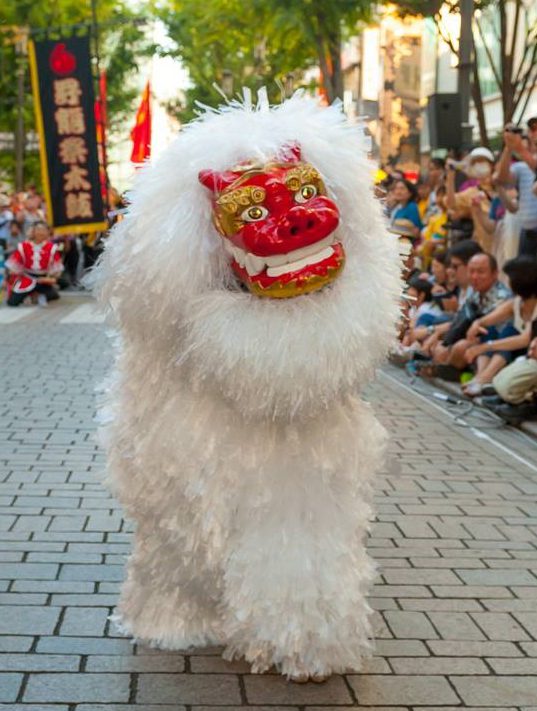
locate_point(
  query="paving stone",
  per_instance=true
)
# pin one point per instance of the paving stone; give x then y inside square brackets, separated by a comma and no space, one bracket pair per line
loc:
[271,689]
[9,686]
[455,625]
[473,649]
[85,621]
[91,572]
[33,707]
[84,645]
[406,690]
[497,577]
[439,665]
[503,690]
[528,620]
[501,626]
[38,662]
[514,666]
[29,571]
[139,663]
[131,707]
[76,688]
[410,625]
[188,688]
[10,643]
[24,619]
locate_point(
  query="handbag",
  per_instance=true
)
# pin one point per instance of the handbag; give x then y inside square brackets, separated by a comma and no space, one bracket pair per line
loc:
[461,323]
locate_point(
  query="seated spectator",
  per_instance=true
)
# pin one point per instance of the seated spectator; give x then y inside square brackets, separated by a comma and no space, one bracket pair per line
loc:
[34,268]
[487,293]
[404,216]
[423,191]
[459,256]
[459,204]
[505,333]
[434,234]
[517,383]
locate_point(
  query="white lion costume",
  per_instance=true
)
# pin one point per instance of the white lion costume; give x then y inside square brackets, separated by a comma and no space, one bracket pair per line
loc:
[236,439]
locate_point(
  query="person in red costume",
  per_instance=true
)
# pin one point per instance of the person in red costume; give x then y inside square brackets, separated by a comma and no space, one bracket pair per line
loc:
[34,267]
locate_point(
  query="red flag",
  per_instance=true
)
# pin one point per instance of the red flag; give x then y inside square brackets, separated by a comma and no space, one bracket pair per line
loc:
[100,124]
[141,133]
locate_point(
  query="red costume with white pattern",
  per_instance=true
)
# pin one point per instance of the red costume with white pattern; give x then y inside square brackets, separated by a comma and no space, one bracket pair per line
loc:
[31,261]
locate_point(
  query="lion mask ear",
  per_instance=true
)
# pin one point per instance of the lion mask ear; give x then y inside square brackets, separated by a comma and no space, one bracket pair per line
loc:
[215,181]
[290,153]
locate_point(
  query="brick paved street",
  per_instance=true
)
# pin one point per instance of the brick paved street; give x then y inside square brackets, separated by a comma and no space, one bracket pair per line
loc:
[456,541]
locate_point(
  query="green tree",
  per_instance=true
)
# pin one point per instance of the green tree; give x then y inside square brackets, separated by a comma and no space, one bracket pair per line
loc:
[226,42]
[325,24]
[260,42]
[122,43]
[504,36]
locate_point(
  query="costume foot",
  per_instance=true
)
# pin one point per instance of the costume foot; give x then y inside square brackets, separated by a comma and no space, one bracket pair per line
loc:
[300,678]
[305,678]
[320,678]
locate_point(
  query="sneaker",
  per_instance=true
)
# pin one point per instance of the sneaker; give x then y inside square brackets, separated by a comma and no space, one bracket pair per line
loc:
[42,301]
[473,389]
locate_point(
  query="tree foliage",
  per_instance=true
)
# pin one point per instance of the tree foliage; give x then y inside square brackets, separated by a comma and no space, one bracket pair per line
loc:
[259,42]
[123,44]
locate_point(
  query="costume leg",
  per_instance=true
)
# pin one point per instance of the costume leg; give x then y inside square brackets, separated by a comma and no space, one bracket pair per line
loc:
[168,598]
[298,573]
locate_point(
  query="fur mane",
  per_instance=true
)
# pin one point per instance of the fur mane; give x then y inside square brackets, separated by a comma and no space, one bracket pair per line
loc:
[167,281]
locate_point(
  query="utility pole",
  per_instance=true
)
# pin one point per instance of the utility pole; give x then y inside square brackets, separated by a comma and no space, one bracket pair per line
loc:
[465,69]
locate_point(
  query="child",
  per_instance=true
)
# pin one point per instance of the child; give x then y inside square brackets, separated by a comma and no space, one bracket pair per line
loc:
[434,234]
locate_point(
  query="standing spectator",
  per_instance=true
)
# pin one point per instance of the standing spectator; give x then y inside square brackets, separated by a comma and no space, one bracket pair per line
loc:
[30,215]
[6,217]
[459,204]
[522,174]
[435,178]
[35,267]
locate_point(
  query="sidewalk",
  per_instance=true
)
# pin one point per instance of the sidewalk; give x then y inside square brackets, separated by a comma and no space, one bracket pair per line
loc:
[456,540]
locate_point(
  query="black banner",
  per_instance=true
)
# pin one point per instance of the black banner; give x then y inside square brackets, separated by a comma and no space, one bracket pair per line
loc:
[65,111]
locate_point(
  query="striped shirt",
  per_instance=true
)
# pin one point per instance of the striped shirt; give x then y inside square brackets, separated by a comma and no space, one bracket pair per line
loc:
[527,201]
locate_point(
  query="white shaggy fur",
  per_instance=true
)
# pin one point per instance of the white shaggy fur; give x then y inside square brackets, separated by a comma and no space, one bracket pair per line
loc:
[235,437]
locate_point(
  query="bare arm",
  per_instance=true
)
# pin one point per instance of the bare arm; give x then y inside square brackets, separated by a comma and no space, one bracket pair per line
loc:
[450,189]
[503,173]
[503,312]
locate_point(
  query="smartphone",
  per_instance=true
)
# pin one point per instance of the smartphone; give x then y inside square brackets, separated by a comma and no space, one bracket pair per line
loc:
[533,329]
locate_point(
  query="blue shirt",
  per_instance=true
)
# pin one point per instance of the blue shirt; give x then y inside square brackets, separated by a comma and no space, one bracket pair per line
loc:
[527,201]
[408,212]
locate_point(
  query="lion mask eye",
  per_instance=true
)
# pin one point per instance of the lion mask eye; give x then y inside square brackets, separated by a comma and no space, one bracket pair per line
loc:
[254,213]
[305,193]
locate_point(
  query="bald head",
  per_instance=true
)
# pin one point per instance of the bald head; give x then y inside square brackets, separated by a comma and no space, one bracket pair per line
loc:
[483,272]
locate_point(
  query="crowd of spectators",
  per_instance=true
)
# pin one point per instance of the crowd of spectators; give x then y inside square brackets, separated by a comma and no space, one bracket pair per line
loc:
[25,234]
[471,271]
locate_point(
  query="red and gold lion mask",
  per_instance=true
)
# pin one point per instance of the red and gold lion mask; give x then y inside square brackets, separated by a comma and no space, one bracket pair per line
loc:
[278,225]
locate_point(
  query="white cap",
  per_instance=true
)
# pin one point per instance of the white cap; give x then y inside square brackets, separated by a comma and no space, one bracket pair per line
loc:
[481,152]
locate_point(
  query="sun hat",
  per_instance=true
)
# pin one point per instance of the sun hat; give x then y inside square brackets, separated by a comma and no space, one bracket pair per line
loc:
[481,152]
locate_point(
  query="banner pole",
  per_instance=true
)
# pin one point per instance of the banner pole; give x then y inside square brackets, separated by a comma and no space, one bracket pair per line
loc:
[45,179]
